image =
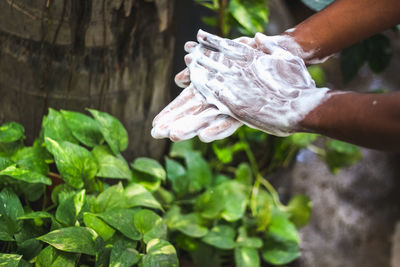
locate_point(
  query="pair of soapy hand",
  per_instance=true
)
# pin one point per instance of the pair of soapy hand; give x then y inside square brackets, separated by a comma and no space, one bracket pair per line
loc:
[228,83]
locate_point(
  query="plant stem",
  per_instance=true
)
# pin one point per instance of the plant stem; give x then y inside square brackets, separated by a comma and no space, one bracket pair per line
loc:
[54,175]
[249,154]
[316,150]
[271,190]
[221,18]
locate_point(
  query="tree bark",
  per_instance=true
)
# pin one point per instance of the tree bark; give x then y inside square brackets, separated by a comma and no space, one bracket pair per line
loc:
[111,55]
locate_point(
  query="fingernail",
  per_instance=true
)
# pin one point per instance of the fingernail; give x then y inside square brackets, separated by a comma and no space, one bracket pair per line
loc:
[202,34]
[188,59]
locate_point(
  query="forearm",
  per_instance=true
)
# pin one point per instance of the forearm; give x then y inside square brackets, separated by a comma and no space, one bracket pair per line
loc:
[370,120]
[342,24]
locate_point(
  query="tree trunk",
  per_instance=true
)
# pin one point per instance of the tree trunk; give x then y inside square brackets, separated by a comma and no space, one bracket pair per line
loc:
[111,55]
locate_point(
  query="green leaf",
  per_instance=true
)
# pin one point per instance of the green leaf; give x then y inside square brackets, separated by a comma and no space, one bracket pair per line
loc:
[29,248]
[299,208]
[55,258]
[210,204]
[210,21]
[150,225]
[245,257]
[9,260]
[5,162]
[10,210]
[317,5]
[243,174]
[220,179]
[32,192]
[160,253]
[179,149]
[224,154]
[302,139]
[228,200]
[112,129]
[208,5]
[55,127]
[4,235]
[25,175]
[379,52]
[111,166]
[252,15]
[186,243]
[206,255]
[68,210]
[137,196]
[281,245]
[148,172]
[164,196]
[11,132]
[33,159]
[149,166]
[236,201]
[198,171]
[189,224]
[351,60]
[340,154]
[61,192]
[245,241]
[123,256]
[111,198]
[261,206]
[83,128]
[221,236]
[123,221]
[318,75]
[75,163]
[9,149]
[72,239]
[176,174]
[145,220]
[100,227]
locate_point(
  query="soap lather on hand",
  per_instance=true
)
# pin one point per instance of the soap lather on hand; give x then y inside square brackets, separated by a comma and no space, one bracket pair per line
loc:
[230,83]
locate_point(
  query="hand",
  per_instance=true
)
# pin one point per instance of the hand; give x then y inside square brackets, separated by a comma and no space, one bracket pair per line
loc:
[271,92]
[265,44]
[189,115]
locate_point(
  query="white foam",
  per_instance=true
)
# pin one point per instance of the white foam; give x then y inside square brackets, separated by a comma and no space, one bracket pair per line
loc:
[272,93]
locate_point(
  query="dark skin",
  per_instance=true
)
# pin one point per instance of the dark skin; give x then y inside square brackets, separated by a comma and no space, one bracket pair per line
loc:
[369,120]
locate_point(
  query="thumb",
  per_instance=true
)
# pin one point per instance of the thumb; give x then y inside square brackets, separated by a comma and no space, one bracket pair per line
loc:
[264,43]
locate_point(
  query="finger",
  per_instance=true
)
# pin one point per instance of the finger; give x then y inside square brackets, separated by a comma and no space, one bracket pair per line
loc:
[164,123]
[187,101]
[188,59]
[190,46]
[210,63]
[182,79]
[232,49]
[246,40]
[188,126]
[265,43]
[220,128]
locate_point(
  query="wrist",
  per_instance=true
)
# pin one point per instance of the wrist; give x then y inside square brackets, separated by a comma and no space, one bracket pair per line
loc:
[302,45]
[321,117]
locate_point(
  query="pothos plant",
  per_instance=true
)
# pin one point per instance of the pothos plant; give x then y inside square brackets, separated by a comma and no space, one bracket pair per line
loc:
[71,199]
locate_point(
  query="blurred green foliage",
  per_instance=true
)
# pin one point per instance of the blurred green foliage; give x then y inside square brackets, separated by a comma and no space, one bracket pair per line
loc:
[245,17]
